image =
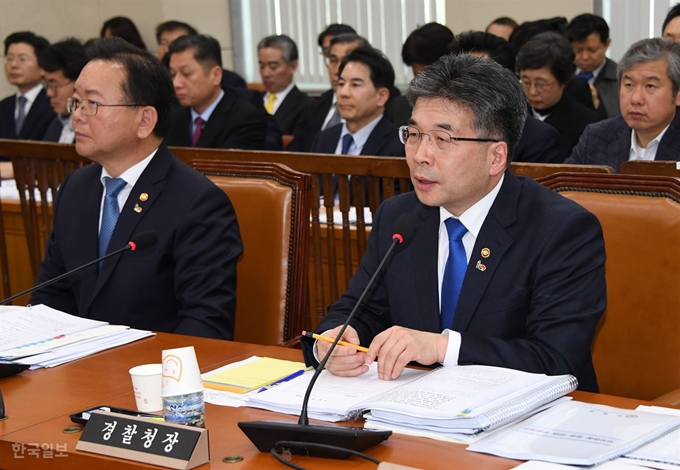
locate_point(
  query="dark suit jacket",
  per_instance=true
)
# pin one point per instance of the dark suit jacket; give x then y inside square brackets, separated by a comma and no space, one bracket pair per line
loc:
[383,141]
[291,109]
[234,124]
[534,308]
[186,284]
[53,132]
[540,143]
[232,79]
[607,85]
[310,123]
[38,118]
[273,140]
[570,118]
[608,143]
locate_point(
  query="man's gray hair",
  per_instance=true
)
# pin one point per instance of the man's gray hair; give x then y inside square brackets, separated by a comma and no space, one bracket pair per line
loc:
[490,91]
[649,50]
[282,42]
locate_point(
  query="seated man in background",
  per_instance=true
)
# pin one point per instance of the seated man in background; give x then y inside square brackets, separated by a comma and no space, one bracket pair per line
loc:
[184,284]
[589,36]
[61,63]
[502,27]
[670,29]
[546,65]
[366,77]
[540,142]
[170,30]
[209,116]
[323,112]
[499,270]
[649,125]
[26,114]
[278,60]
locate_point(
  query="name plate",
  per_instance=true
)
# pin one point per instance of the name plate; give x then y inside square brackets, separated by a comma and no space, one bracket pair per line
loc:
[145,440]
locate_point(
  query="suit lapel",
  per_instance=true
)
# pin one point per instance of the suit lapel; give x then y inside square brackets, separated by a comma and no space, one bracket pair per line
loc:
[37,108]
[136,207]
[378,138]
[493,237]
[619,148]
[424,266]
[216,121]
[88,216]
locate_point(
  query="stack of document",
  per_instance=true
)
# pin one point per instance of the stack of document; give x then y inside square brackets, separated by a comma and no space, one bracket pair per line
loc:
[577,433]
[460,399]
[44,337]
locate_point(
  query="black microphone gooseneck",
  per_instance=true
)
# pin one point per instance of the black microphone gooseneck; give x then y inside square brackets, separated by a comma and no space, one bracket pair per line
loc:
[141,242]
[265,434]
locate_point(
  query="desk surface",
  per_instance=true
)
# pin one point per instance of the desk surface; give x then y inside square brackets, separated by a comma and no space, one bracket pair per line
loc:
[38,404]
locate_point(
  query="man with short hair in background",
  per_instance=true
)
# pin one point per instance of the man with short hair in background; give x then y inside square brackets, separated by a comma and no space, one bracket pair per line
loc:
[278,61]
[186,282]
[209,116]
[649,125]
[61,63]
[26,114]
[589,36]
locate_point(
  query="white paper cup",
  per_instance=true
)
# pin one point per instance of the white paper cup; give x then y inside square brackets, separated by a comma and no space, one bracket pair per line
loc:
[180,375]
[146,383]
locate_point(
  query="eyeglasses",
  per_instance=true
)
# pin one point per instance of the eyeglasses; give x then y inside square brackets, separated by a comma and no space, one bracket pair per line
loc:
[334,60]
[441,140]
[54,87]
[539,85]
[22,58]
[90,108]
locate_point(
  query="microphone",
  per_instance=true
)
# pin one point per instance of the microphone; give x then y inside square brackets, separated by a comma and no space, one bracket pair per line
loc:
[140,242]
[315,439]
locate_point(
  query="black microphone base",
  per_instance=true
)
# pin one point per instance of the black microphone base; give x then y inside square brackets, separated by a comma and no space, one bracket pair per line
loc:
[265,435]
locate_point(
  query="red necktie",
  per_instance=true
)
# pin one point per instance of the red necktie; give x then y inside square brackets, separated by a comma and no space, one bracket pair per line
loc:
[197,131]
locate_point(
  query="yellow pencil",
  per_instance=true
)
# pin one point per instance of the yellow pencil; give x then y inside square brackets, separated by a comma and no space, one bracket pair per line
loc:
[330,340]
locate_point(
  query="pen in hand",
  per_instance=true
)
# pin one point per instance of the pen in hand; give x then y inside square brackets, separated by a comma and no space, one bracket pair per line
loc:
[330,340]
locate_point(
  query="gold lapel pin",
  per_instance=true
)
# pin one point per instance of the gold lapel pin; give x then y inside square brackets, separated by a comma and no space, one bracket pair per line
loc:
[137,208]
[486,252]
[144,197]
[480,266]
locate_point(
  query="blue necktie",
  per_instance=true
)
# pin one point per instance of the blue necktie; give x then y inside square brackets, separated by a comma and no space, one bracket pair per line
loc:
[585,76]
[454,273]
[110,213]
[347,140]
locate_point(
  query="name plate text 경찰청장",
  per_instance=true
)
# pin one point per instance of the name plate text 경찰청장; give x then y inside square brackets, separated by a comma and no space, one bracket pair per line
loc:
[145,440]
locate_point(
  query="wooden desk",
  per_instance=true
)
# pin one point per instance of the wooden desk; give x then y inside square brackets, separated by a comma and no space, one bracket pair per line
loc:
[39,402]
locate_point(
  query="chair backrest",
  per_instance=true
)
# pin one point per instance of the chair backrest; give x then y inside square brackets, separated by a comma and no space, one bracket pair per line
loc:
[655,167]
[540,170]
[39,169]
[272,208]
[636,351]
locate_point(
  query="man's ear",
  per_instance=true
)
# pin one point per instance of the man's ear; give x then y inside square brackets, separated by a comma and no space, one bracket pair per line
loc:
[215,75]
[147,122]
[384,95]
[499,154]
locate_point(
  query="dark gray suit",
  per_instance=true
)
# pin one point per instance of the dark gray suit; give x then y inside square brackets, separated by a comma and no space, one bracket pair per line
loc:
[290,110]
[534,307]
[608,143]
[607,85]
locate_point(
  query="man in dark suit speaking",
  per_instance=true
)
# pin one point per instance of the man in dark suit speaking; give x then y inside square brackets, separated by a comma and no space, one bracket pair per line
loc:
[186,283]
[499,270]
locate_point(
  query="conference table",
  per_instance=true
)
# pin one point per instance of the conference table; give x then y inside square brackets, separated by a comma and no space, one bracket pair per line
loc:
[38,404]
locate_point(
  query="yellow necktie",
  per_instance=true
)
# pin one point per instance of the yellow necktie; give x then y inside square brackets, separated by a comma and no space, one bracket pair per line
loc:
[270,103]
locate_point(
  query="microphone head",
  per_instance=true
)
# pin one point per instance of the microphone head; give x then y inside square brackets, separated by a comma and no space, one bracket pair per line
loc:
[403,226]
[144,240]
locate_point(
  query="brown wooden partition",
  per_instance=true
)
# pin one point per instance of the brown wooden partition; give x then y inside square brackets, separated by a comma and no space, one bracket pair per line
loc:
[659,168]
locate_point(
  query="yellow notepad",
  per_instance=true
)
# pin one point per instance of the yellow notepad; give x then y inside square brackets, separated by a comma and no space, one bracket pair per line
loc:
[255,374]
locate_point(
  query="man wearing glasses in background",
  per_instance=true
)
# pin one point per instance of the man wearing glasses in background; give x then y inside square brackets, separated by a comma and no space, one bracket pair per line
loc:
[186,283]
[61,63]
[499,270]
